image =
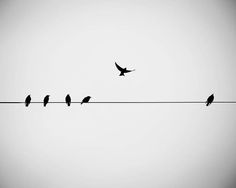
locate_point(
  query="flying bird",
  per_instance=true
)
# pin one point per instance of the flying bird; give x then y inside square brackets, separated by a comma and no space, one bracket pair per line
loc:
[86,99]
[27,100]
[68,100]
[45,100]
[210,100]
[122,70]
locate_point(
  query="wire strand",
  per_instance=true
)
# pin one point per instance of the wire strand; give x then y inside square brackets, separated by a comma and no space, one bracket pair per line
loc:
[123,102]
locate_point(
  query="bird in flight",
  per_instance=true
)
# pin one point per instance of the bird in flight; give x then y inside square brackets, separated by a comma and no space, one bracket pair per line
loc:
[122,70]
[45,100]
[68,100]
[27,100]
[86,99]
[210,100]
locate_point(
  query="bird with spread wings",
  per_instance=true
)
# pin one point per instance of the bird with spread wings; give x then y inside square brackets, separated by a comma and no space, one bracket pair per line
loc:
[123,70]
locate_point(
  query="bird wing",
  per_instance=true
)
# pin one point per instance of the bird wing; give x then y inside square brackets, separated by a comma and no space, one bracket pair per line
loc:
[86,99]
[28,99]
[210,99]
[68,99]
[118,67]
[129,70]
[46,99]
[83,101]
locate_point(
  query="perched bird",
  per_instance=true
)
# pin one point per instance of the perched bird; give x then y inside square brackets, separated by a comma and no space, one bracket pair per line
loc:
[122,70]
[27,100]
[86,99]
[68,99]
[45,100]
[210,100]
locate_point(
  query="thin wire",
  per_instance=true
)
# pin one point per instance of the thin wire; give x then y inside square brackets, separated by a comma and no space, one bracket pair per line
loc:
[125,102]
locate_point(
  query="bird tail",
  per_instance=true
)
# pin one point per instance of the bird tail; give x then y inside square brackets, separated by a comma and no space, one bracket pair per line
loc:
[26,104]
[122,74]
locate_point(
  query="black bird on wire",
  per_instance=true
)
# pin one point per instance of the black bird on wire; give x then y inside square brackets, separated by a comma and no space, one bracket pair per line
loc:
[27,100]
[123,70]
[86,99]
[45,100]
[210,100]
[68,100]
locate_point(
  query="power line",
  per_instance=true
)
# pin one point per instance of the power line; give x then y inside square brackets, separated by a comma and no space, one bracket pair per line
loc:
[123,102]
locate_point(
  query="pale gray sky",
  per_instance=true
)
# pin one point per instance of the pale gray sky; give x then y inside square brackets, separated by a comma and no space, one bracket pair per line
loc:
[181,50]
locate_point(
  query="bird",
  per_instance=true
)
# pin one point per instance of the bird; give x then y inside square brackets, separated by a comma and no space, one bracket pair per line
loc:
[123,70]
[27,100]
[210,100]
[45,100]
[68,100]
[86,99]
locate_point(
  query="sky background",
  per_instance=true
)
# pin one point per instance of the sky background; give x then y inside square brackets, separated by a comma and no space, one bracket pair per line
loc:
[181,50]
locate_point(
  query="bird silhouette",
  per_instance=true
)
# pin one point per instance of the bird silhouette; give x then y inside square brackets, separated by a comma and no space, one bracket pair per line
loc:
[210,100]
[123,70]
[27,100]
[45,100]
[68,100]
[86,99]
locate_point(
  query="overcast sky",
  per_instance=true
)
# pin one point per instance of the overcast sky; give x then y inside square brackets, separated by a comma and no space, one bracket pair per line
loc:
[181,50]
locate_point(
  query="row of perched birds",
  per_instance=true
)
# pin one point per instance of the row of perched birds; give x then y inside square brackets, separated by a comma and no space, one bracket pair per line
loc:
[46,100]
[86,100]
[123,71]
